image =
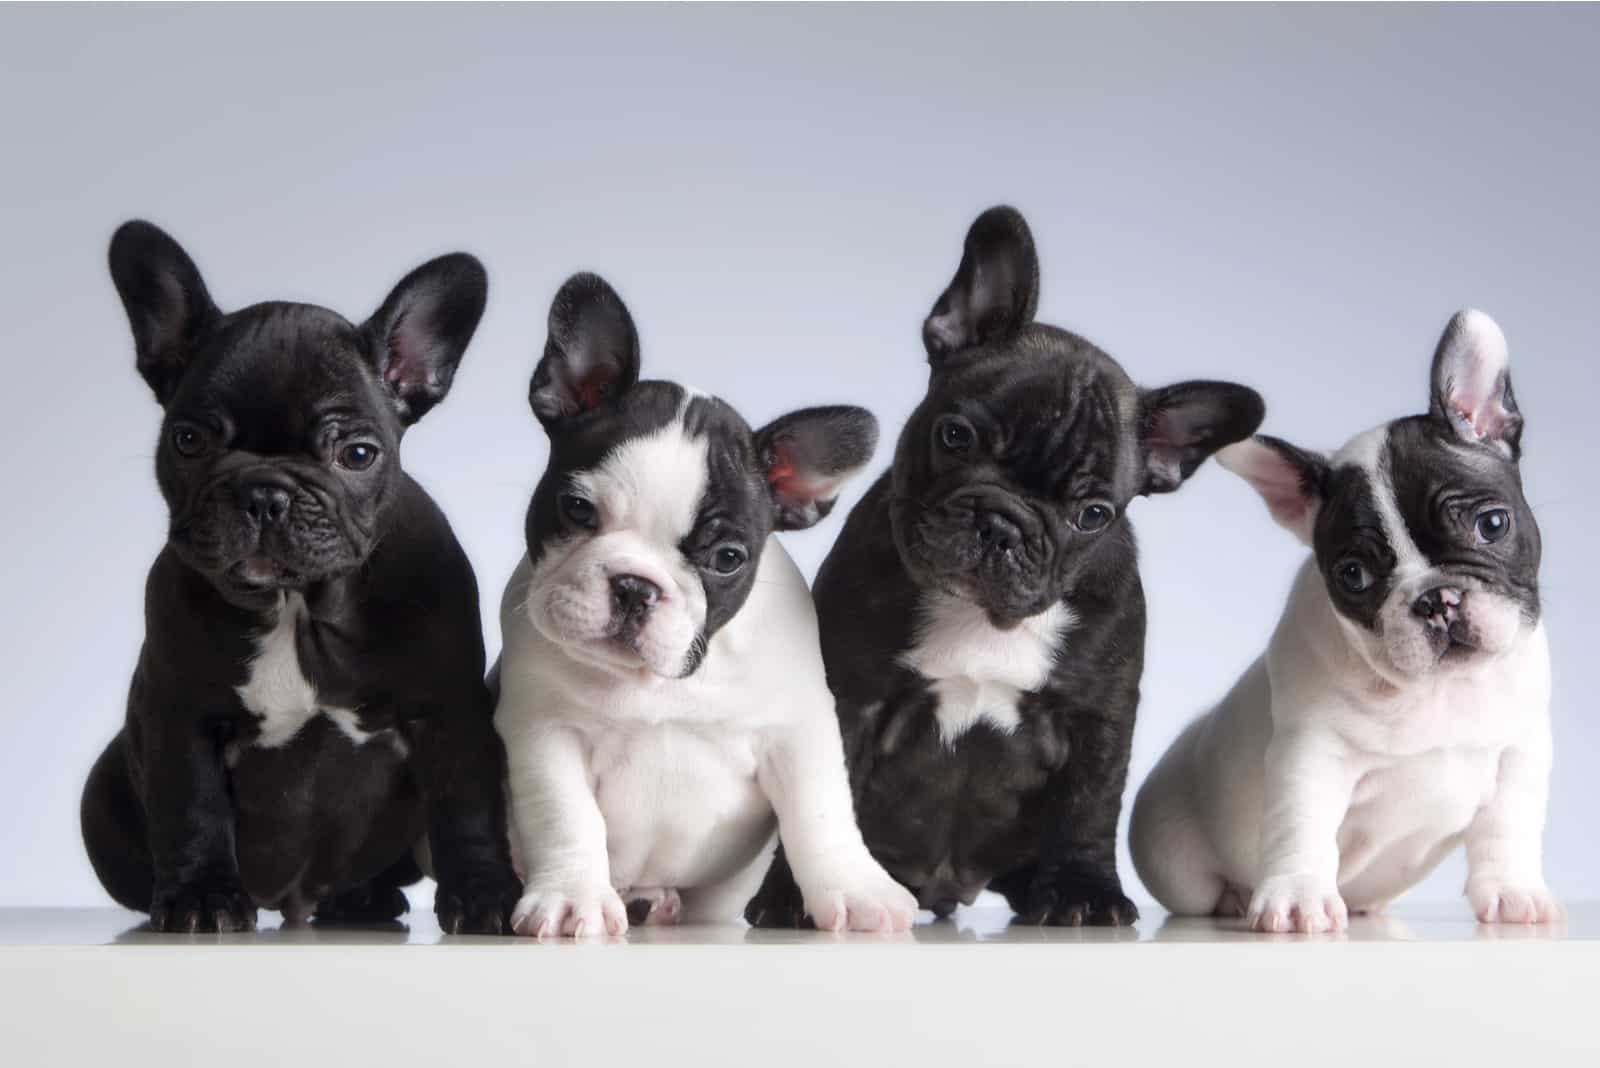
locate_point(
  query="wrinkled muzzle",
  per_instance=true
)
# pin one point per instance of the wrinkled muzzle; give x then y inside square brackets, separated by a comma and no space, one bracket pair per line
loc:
[262,527]
[608,604]
[1439,621]
[984,545]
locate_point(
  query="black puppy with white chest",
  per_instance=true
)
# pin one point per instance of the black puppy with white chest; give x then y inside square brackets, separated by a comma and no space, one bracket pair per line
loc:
[309,701]
[982,617]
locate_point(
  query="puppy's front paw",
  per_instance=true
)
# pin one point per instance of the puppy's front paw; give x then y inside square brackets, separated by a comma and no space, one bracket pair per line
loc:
[1497,900]
[1079,900]
[1307,904]
[215,903]
[572,911]
[476,904]
[862,898]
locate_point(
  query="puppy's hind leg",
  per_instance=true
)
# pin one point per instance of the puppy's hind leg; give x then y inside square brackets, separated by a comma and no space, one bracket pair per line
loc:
[378,900]
[114,831]
[724,901]
[652,907]
[778,902]
[1170,850]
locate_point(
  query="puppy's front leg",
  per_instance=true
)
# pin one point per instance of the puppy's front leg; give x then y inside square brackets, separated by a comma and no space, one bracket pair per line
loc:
[462,766]
[191,826]
[1075,881]
[802,773]
[1505,879]
[1309,777]
[561,838]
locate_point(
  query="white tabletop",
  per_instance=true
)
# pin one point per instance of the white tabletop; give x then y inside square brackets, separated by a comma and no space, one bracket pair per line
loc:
[989,926]
[1423,982]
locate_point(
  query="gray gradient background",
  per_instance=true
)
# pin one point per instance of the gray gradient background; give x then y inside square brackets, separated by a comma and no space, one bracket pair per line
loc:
[1293,198]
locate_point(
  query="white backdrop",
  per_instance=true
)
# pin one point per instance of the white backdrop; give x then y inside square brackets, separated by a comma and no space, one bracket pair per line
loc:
[1296,198]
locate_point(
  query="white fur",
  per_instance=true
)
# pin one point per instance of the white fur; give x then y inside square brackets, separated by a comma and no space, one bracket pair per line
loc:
[1326,781]
[626,781]
[278,691]
[1475,359]
[978,671]
[646,493]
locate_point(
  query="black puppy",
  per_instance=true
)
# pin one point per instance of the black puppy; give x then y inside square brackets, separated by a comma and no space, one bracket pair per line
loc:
[982,618]
[309,701]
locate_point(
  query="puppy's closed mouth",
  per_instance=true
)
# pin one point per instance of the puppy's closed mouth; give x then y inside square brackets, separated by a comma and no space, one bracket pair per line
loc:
[1459,647]
[262,572]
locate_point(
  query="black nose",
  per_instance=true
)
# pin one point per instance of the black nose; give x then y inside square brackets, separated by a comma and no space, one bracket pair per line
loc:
[632,595]
[1438,607]
[996,531]
[264,502]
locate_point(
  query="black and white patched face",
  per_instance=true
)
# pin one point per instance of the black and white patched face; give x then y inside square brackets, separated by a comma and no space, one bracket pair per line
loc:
[280,443]
[646,532]
[1426,544]
[1020,463]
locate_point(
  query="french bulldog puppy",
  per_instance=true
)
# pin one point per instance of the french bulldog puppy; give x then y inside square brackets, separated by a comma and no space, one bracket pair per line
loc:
[982,617]
[1402,706]
[661,693]
[309,701]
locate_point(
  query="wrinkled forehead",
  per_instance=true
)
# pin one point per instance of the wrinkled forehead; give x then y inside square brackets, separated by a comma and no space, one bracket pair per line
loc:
[1427,464]
[1066,410]
[1400,483]
[282,364]
[664,459]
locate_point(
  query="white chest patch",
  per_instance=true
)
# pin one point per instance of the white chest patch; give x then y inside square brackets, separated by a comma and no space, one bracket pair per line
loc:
[279,693]
[978,671]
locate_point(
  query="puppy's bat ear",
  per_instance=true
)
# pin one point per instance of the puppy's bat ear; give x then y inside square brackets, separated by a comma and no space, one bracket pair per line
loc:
[592,355]
[1472,384]
[807,456]
[995,291]
[420,332]
[1291,480]
[168,307]
[1179,426]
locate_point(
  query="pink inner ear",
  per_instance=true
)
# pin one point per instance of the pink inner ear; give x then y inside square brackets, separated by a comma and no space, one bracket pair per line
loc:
[407,368]
[1285,501]
[1477,403]
[592,387]
[1276,480]
[791,483]
[785,481]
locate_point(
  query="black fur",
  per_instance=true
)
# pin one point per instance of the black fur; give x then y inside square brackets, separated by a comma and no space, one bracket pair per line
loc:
[1048,427]
[183,817]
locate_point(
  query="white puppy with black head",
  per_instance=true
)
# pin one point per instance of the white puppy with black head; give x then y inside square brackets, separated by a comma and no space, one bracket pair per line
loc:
[661,689]
[1402,706]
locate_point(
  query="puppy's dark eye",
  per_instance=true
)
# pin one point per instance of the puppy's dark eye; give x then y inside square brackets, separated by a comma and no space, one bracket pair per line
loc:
[579,511]
[728,559]
[1493,525]
[188,441]
[1353,575]
[1095,517]
[358,455]
[955,434]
